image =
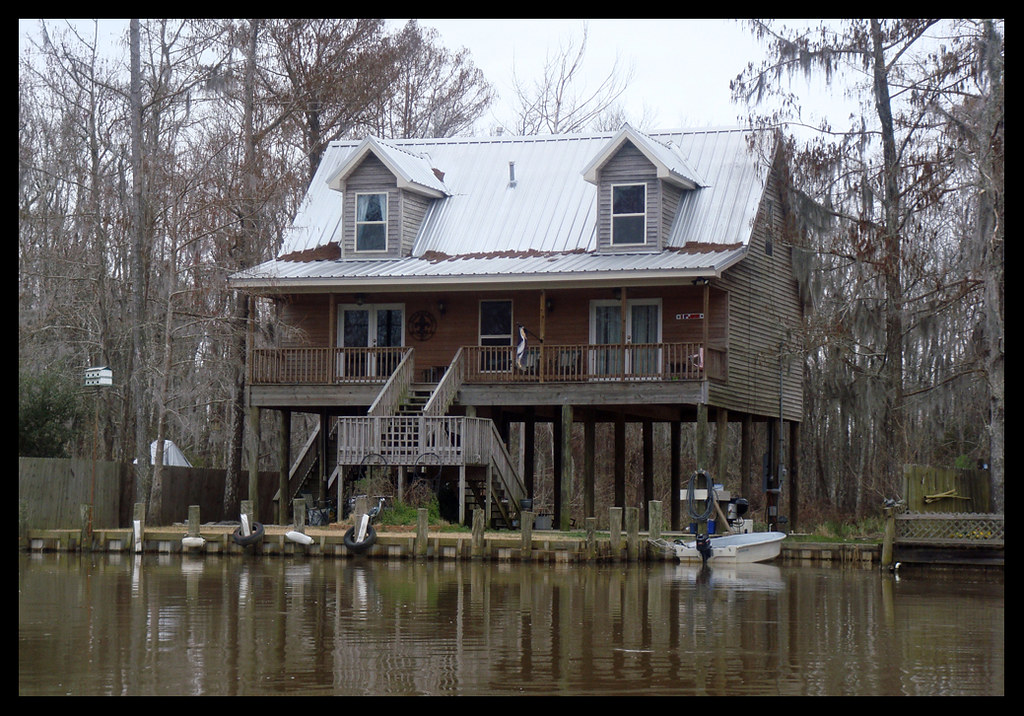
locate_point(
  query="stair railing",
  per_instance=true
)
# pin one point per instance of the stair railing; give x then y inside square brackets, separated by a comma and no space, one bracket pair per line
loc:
[447,388]
[396,386]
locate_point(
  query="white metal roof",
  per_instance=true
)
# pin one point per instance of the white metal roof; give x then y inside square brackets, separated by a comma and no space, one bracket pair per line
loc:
[539,226]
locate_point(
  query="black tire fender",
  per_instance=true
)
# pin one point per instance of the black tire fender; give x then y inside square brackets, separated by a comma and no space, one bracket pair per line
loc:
[255,537]
[359,547]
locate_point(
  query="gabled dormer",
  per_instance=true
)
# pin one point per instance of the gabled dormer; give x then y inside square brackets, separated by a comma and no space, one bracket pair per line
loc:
[386,192]
[639,184]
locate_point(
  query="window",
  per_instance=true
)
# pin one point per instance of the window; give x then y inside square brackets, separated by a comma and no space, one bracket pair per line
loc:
[371,222]
[629,214]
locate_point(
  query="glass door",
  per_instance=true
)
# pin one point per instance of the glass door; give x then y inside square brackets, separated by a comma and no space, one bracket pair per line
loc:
[367,327]
[614,355]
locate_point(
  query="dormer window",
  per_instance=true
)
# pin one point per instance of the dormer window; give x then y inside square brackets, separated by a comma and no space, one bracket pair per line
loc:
[629,214]
[372,222]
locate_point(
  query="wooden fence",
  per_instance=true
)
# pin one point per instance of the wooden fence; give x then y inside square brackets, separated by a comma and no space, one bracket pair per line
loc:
[51,492]
[946,490]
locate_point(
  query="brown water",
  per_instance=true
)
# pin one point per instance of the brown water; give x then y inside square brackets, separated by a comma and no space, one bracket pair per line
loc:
[177,625]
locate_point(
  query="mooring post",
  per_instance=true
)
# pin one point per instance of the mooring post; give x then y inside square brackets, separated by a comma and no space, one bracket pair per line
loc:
[299,514]
[526,524]
[479,519]
[590,524]
[86,517]
[421,532]
[632,533]
[890,537]
[139,525]
[615,532]
[192,527]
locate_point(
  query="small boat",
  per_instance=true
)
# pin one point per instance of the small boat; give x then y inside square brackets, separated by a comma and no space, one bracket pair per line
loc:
[738,548]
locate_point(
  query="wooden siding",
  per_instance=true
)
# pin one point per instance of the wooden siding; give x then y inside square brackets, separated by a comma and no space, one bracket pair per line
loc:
[413,209]
[629,166]
[764,310]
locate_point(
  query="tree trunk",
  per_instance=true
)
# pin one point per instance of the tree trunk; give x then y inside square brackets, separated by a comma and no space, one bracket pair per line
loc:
[142,464]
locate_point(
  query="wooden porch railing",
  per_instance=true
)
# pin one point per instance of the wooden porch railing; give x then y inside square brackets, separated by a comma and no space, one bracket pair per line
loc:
[585,362]
[323,366]
[492,364]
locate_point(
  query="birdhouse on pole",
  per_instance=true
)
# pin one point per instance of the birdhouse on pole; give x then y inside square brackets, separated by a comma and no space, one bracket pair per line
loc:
[98,376]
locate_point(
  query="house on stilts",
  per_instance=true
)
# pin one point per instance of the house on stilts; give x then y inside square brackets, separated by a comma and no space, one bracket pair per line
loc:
[442,290]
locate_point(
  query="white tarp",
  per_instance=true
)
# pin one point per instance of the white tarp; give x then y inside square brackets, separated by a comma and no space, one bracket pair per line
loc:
[172,455]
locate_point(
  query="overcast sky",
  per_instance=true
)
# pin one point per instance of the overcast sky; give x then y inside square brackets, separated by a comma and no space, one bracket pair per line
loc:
[681,68]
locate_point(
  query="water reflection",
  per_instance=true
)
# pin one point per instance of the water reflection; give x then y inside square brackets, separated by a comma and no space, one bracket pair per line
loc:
[174,624]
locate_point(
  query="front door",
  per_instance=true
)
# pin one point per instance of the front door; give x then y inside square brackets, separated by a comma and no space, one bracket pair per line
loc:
[369,327]
[635,353]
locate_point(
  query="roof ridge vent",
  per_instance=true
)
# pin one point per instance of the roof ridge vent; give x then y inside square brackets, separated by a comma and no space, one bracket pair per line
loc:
[512,175]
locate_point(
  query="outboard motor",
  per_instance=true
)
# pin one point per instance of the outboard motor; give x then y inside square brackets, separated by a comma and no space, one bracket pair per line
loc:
[704,547]
[738,507]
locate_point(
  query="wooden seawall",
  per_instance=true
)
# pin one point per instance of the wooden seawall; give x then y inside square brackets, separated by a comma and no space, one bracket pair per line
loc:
[624,542]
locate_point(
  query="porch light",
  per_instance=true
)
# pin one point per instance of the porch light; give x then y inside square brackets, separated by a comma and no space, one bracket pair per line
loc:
[359,299]
[440,307]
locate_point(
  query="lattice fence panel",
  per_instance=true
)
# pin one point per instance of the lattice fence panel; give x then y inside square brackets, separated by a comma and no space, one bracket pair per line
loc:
[960,528]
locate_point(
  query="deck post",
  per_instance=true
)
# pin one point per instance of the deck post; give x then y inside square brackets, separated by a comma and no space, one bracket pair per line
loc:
[589,478]
[529,446]
[620,460]
[590,549]
[462,493]
[794,465]
[565,503]
[299,514]
[701,447]
[557,466]
[283,455]
[746,455]
[721,444]
[676,476]
[648,467]
[254,458]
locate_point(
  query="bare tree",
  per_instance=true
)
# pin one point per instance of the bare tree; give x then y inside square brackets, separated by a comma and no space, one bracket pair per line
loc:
[560,101]
[435,93]
[886,196]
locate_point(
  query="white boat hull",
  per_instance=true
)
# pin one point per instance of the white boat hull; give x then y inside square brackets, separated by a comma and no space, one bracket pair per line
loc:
[742,548]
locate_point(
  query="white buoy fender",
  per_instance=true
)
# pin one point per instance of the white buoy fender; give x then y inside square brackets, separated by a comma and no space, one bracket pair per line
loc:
[298,537]
[192,542]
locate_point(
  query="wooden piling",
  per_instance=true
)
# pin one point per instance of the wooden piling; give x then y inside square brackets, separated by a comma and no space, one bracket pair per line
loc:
[632,533]
[192,527]
[477,547]
[421,532]
[615,532]
[525,550]
[139,525]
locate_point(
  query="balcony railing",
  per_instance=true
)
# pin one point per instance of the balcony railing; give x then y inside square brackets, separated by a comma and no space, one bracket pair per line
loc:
[585,362]
[323,366]
[496,364]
